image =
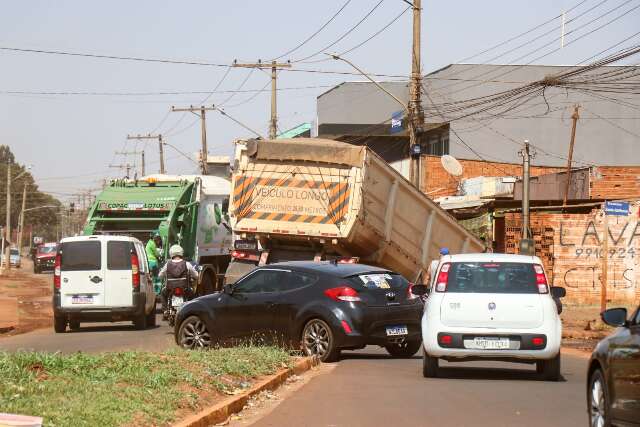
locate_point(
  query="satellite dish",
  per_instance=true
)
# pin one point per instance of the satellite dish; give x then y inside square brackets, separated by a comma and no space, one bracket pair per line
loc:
[451,165]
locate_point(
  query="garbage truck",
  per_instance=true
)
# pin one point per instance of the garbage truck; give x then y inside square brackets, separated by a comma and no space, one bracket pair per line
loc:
[189,210]
[319,199]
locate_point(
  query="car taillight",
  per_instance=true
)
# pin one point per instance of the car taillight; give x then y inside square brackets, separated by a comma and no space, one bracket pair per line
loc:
[56,272]
[244,255]
[343,293]
[443,278]
[541,279]
[348,260]
[135,271]
[177,291]
[410,294]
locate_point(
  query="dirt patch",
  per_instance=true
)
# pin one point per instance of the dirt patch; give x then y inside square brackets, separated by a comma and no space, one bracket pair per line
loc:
[582,327]
[33,292]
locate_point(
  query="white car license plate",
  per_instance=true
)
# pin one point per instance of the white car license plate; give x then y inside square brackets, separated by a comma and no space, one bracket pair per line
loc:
[177,302]
[393,331]
[82,299]
[488,343]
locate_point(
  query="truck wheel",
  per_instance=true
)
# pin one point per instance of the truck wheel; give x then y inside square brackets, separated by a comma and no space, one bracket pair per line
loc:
[208,284]
[549,369]
[140,322]
[59,324]
[429,366]
[405,349]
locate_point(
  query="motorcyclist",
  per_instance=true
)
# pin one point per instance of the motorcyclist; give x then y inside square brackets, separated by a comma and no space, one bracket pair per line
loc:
[178,272]
[153,256]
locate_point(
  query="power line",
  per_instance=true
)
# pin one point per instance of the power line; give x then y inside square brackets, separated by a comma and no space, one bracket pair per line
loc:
[314,34]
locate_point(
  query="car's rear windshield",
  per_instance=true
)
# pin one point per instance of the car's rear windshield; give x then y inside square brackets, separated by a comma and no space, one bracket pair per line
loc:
[483,277]
[119,255]
[379,280]
[78,256]
[15,252]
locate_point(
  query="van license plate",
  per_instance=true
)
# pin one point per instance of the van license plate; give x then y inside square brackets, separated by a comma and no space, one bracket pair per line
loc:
[393,331]
[82,299]
[177,302]
[488,343]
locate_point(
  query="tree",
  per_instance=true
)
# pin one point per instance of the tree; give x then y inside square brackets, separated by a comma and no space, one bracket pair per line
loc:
[43,222]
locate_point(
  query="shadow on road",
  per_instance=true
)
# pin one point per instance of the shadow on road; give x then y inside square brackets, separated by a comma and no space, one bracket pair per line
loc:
[346,355]
[478,373]
[110,328]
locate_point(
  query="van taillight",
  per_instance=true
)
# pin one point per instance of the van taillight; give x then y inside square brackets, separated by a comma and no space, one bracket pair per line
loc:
[135,271]
[541,279]
[56,272]
[443,278]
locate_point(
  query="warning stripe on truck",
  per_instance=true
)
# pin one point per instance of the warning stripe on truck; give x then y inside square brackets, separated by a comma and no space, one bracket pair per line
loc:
[245,197]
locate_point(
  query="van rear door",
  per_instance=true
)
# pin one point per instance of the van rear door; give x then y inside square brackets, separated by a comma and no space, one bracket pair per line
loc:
[118,284]
[82,274]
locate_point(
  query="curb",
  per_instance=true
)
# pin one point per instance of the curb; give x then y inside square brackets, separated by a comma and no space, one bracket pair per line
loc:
[220,412]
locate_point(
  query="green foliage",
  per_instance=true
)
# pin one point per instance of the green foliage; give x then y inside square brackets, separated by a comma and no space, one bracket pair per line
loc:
[43,221]
[112,389]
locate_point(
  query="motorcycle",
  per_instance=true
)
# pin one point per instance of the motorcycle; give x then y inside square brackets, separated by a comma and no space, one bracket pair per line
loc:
[177,292]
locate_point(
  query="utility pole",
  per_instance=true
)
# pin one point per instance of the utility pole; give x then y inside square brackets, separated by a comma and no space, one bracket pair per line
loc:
[526,245]
[200,112]
[274,65]
[7,228]
[125,166]
[605,261]
[132,153]
[160,148]
[21,222]
[575,116]
[142,165]
[416,114]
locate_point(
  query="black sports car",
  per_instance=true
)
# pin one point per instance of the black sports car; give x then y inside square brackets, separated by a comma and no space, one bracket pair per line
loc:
[321,307]
[613,387]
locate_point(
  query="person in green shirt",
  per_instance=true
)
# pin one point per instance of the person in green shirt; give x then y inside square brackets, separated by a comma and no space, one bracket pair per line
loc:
[153,256]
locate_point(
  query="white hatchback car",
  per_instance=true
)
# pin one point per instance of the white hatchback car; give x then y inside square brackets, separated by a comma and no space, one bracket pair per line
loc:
[102,279]
[495,307]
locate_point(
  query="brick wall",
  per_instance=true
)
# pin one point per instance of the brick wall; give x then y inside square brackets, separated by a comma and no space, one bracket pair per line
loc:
[616,182]
[573,259]
[439,183]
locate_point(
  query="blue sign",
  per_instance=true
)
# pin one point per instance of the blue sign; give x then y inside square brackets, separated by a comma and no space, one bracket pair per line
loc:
[396,122]
[616,208]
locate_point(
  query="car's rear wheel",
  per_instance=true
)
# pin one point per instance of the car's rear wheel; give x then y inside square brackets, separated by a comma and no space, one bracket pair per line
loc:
[429,366]
[549,369]
[318,340]
[598,401]
[193,334]
[59,324]
[140,321]
[403,349]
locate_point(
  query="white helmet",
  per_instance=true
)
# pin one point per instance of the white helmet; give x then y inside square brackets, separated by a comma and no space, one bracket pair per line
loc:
[176,250]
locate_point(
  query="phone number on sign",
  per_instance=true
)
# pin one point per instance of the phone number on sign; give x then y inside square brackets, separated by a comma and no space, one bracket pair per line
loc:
[613,253]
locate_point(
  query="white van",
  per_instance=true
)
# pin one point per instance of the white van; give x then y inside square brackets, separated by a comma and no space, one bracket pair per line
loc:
[102,279]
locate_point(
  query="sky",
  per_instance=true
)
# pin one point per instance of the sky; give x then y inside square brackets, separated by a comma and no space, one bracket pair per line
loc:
[71,140]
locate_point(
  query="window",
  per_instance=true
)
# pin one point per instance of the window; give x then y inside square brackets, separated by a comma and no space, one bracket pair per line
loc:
[78,256]
[298,280]
[47,249]
[437,144]
[379,280]
[483,277]
[262,281]
[119,255]
[14,252]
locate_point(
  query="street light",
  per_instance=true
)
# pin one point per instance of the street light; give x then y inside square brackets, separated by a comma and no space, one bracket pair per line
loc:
[413,131]
[6,248]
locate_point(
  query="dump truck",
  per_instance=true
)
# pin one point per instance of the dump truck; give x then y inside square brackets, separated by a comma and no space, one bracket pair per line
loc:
[188,210]
[319,199]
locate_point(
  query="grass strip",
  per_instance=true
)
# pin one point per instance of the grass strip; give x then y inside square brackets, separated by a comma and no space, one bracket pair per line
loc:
[127,388]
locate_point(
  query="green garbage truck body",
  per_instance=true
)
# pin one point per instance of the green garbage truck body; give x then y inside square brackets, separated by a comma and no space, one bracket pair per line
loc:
[187,210]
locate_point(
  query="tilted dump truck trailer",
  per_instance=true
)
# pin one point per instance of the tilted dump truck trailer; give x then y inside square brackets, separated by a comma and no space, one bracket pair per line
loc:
[187,210]
[312,198]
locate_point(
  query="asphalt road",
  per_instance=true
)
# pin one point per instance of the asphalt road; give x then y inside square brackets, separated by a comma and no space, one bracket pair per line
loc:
[367,388]
[93,338]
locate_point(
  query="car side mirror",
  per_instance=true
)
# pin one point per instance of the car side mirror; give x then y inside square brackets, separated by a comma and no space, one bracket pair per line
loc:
[558,292]
[420,290]
[615,317]
[228,289]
